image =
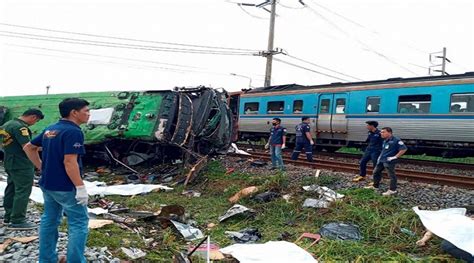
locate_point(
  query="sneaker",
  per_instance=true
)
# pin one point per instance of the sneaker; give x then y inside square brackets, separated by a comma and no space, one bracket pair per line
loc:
[389,193]
[358,178]
[371,186]
[22,226]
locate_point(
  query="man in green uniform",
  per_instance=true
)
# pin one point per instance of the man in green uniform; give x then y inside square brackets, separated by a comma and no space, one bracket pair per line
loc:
[19,168]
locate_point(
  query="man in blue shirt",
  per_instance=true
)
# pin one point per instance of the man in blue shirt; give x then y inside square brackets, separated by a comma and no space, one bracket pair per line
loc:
[303,140]
[276,143]
[63,189]
[372,152]
[392,149]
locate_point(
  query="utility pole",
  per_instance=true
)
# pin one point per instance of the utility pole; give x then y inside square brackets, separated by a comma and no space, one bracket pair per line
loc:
[47,89]
[269,53]
[435,63]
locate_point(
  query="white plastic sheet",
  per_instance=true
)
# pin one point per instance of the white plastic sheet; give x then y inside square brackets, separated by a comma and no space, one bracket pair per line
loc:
[450,224]
[100,188]
[101,116]
[270,252]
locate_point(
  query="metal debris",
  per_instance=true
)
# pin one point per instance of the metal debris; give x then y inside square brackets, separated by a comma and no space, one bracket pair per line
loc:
[133,253]
[236,210]
[188,232]
[248,235]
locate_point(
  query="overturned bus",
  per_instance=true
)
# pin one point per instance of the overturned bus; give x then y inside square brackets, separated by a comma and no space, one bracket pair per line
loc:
[137,126]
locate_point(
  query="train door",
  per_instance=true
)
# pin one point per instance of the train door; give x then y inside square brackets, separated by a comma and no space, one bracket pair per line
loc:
[332,123]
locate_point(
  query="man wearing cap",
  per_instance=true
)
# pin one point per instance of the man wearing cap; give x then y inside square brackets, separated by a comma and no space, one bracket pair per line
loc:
[20,170]
[303,140]
[373,150]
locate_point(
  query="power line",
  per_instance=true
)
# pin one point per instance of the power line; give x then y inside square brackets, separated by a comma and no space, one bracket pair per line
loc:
[248,13]
[126,38]
[360,42]
[98,55]
[114,45]
[323,67]
[308,69]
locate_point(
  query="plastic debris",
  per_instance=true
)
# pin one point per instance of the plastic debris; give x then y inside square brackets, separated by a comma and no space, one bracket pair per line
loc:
[341,231]
[234,149]
[188,232]
[324,192]
[407,231]
[272,251]
[316,203]
[133,253]
[243,193]
[266,197]
[248,235]
[191,193]
[235,210]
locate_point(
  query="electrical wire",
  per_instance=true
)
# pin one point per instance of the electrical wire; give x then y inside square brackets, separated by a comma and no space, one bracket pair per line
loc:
[126,38]
[323,67]
[114,45]
[248,13]
[308,69]
[101,56]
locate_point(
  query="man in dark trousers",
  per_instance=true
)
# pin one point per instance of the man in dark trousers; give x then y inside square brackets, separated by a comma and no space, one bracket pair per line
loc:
[392,149]
[19,168]
[61,182]
[276,143]
[372,152]
[303,140]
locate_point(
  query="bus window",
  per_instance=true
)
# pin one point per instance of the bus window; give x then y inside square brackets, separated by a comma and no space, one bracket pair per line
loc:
[251,108]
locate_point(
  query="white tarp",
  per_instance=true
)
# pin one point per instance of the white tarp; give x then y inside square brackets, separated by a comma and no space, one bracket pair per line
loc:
[450,224]
[270,252]
[101,116]
[100,188]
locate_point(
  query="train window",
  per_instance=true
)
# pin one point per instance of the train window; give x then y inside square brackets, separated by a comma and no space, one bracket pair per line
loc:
[325,103]
[373,105]
[462,102]
[298,106]
[275,107]
[251,108]
[340,106]
[414,104]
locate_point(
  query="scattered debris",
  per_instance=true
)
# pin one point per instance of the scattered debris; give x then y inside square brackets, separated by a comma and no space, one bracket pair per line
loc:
[201,251]
[248,235]
[272,251]
[174,212]
[98,223]
[285,236]
[318,172]
[97,211]
[210,225]
[407,231]
[24,239]
[243,193]
[229,171]
[258,163]
[234,149]
[236,210]
[119,219]
[188,232]
[341,231]
[287,197]
[5,245]
[314,237]
[191,193]
[133,253]
[266,197]
[316,203]
[324,192]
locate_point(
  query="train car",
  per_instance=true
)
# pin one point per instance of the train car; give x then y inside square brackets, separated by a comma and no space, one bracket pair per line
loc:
[431,114]
[140,123]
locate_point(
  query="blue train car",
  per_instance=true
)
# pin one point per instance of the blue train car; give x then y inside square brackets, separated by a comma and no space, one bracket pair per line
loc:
[431,114]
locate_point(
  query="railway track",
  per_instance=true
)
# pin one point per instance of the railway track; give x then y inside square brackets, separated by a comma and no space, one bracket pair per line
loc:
[437,164]
[411,175]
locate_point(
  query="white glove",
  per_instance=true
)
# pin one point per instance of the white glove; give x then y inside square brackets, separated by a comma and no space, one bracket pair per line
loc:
[392,158]
[82,197]
[267,146]
[283,146]
[311,142]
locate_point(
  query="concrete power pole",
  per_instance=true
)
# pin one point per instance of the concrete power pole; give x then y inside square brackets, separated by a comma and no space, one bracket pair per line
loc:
[269,53]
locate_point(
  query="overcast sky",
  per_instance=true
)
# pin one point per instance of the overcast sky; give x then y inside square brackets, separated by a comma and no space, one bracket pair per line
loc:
[362,39]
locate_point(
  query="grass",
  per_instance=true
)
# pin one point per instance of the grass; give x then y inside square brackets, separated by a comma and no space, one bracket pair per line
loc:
[465,160]
[379,218]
